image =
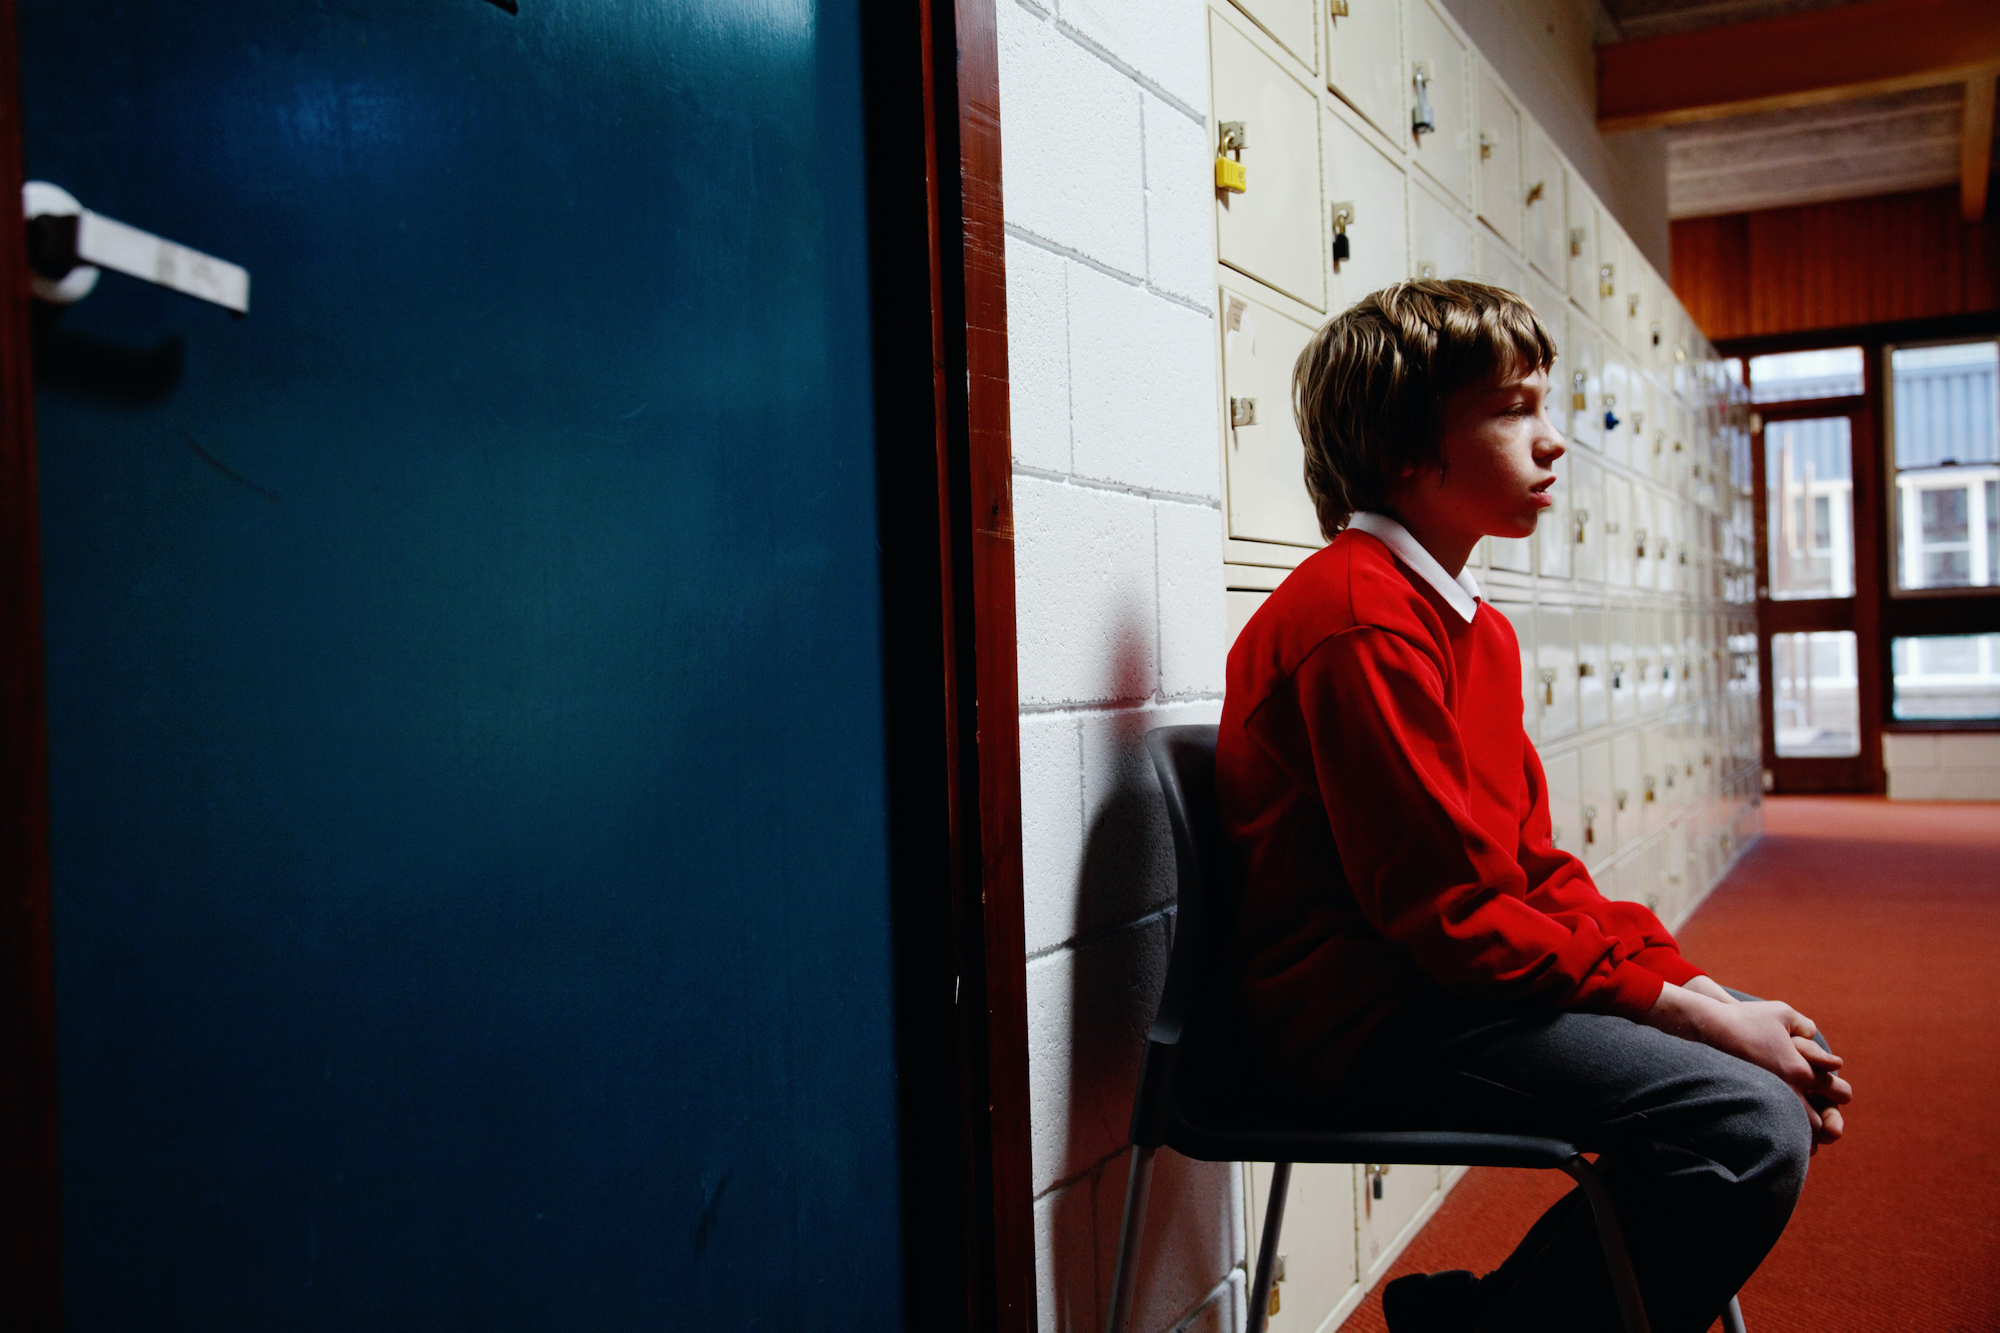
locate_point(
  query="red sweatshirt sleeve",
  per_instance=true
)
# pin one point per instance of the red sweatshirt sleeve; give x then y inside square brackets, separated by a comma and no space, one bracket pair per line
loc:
[1558,882]
[1391,766]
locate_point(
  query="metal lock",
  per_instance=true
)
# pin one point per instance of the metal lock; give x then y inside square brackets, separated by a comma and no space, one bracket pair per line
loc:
[1578,400]
[1582,526]
[1422,119]
[1486,145]
[1651,794]
[1657,331]
[1343,218]
[1607,281]
[1548,687]
[1618,683]
[1277,1277]
[1640,537]
[1337,9]
[1576,240]
[1589,825]
[1632,306]
[1534,193]
[1231,175]
[1427,270]
[1242,411]
[1619,796]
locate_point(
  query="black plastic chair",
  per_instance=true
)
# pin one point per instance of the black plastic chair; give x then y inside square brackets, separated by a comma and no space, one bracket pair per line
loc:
[1168,1112]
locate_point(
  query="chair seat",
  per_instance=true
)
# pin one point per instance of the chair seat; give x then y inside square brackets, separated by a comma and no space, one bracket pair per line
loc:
[1414,1147]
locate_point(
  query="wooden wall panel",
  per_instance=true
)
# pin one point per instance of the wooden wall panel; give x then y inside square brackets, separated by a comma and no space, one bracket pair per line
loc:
[1837,265]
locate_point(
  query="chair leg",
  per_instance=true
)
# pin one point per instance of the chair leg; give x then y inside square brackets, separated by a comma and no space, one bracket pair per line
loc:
[1138,1185]
[1623,1280]
[1732,1318]
[1267,1248]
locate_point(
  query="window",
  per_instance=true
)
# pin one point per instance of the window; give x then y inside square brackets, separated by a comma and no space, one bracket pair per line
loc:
[1790,377]
[1939,677]
[1809,483]
[1816,695]
[1946,422]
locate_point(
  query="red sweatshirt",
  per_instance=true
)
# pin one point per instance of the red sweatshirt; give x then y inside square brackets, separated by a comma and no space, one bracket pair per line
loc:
[1393,818]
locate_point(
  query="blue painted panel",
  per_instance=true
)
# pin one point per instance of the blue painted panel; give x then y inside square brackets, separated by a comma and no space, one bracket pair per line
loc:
[465,678]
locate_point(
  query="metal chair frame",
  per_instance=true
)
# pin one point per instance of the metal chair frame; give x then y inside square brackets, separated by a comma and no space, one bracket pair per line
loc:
[1184,758]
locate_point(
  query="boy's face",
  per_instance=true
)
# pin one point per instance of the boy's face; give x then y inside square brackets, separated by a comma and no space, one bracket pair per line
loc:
[1499,449]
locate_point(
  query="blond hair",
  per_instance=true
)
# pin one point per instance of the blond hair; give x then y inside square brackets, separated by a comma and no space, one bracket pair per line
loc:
[1369,390]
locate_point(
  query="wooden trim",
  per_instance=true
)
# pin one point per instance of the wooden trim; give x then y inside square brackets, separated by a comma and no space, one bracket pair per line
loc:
[977,321]
[1976,324]
[1827,55]
[1975,146]
[30,1201]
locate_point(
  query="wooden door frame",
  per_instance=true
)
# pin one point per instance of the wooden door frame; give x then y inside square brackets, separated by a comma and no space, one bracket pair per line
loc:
[944,487]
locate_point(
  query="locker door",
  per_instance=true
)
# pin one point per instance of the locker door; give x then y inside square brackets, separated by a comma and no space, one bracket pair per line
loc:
[1634,883]
[1364,64]
[1582,411]
[1444,152]
[1317,1242]
[1617,531]
[1291,22]
[1264,464]
[1624,682]
[1555,529]
[1613,270]
[1239,605]
[1546,245]
[1555,671]
[1498,265]
[1565,802]
[1553,311]
[1580,243]
[1362,179]
[1600,820]
[1440,238]
[1521,616]
[1514,554]
[1497,142]
[1587,519]
[1405,1191]
[1614,408]
[1272,229]
[1593,678]
[1627,788]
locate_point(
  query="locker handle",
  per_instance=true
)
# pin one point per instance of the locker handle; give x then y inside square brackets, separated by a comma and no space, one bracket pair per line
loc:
[1422,120]
[1619,796]
[68,245]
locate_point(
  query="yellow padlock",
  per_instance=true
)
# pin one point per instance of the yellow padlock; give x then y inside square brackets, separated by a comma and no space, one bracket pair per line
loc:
[1231,176]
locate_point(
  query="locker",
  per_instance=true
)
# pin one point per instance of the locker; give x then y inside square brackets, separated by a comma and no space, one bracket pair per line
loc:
[1580,243]
[1370,188]
[1440,238]
[1646,658]
[1497,151]
[1634,884]
[1613,271]
[1405,1191]
[1555,671]
[1364,65]
[1600,822]
[1555,530]
[1616,531]
[1565,803]
[1498,265]
[1264,461]
[1593,677]
[1624,682]
[1586,519]
[1628,806]
[1318,1240]
[1547,247]
[1290,22]
[1521,616]
[1437,59]
[1583,383]
[1238,607]
[1272,229]
[1614,407]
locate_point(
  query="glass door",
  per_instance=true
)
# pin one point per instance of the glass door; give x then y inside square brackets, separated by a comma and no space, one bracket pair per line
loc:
[1815,602]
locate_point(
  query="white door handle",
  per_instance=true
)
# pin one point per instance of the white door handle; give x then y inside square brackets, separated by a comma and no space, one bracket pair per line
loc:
[68,244]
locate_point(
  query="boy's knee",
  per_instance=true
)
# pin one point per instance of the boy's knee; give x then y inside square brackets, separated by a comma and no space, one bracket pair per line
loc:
[1773,1136]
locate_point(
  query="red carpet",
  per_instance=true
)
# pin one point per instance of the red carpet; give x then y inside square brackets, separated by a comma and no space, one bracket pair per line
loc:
[1882,922]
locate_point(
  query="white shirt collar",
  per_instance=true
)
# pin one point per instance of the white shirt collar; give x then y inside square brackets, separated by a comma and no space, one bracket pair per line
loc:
[1461,593]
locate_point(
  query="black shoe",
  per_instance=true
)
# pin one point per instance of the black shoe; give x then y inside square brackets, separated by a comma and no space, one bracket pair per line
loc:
[1433,1303]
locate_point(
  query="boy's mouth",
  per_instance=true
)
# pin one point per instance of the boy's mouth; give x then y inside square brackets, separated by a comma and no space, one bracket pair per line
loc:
[1541,492]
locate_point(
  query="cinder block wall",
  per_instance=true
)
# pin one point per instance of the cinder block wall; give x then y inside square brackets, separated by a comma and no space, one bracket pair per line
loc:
[1117,504]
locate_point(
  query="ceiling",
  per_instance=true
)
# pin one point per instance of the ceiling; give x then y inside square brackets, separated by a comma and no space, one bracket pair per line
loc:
[1775,159]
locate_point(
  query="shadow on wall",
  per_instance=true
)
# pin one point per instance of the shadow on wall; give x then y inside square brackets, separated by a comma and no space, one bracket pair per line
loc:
[1187,1274]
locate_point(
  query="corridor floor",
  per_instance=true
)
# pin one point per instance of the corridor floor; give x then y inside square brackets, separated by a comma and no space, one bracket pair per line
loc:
[1881,922]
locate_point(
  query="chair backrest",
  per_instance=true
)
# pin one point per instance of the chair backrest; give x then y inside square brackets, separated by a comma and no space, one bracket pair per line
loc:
[1184,758]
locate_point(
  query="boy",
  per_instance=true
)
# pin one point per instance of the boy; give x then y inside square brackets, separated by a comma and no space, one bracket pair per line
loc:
[1412,951]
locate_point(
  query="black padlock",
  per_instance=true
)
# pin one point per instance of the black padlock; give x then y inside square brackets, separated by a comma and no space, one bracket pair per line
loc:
[1341,249]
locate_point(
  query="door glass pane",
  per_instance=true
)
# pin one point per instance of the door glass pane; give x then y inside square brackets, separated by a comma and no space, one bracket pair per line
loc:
[1790,377]
[1809,480]
[1947,428]
[1947,676]
[1817,711]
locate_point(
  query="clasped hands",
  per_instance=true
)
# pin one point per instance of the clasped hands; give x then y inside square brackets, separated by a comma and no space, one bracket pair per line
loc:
[1769,1034]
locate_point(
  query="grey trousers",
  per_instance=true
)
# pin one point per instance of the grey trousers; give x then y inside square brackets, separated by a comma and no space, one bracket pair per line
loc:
[1704,1153]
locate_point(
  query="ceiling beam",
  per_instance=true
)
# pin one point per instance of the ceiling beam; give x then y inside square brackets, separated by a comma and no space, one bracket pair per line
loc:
[1824,55]
[1975,146]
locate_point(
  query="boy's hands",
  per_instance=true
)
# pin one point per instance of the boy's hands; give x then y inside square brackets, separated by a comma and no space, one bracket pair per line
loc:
[1769,1034]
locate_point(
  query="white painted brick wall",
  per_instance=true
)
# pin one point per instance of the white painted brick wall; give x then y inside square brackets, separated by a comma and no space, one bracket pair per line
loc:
[1118,554]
